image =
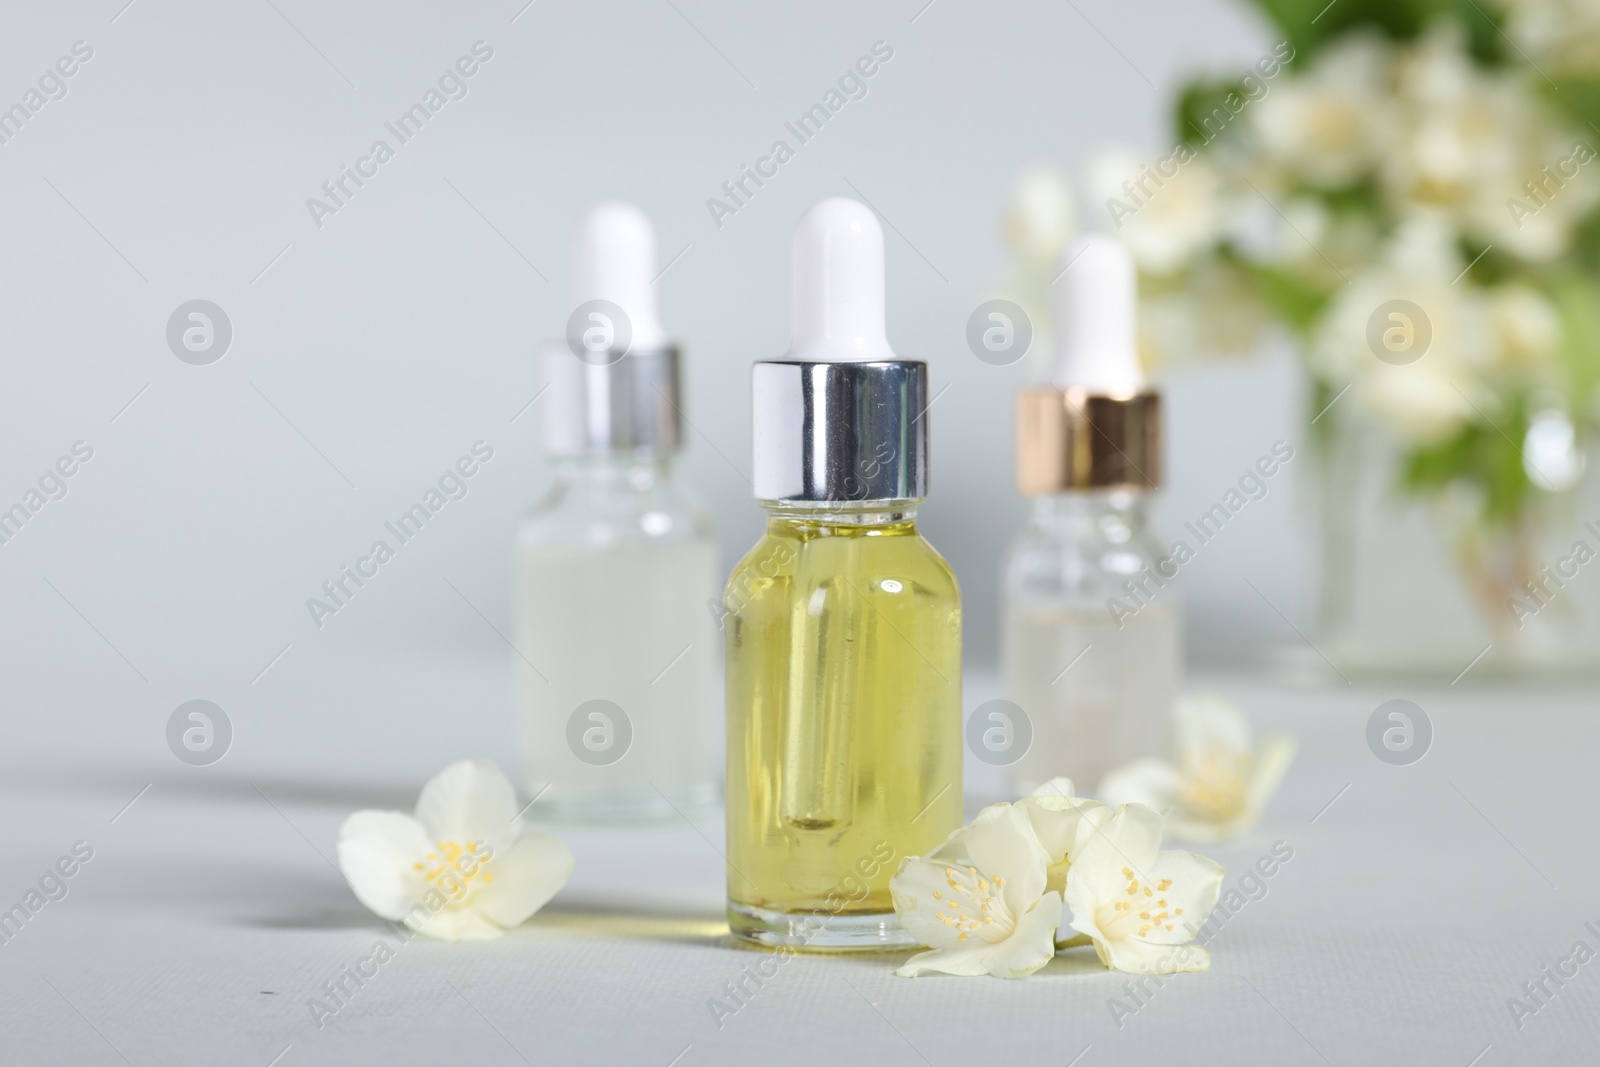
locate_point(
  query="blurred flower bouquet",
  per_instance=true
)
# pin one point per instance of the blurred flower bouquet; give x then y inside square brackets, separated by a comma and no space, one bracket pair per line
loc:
[1411,188]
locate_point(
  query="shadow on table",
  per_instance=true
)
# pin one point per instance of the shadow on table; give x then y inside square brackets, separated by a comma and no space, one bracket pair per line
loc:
[354,917]
[312,906]
[121,784]
[314,792]
[686,926]
[266,898]
[1076,961]
[701,927]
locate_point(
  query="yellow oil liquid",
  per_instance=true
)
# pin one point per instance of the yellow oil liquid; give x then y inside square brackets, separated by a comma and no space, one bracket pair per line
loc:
[844,725]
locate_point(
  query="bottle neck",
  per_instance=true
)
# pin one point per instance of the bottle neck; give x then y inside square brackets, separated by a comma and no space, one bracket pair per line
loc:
[866,513]
[1084,512]
[636,470]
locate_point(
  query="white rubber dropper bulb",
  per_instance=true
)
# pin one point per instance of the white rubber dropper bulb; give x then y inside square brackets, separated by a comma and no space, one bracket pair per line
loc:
[615,260]
[837,300]
[1095,303]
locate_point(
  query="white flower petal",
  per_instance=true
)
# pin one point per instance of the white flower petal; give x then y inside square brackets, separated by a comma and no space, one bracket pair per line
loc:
[1195,885]
[524,879]
[1081,901]
[1029,947]
[1093,883]
[1131,838]
[975,893]
[377,853]
[954,848]
[966,959]
[1032,944]
[1001,842]
[1128,844]
[1042,216]
[1272,760]
[1056,787]
[454,924]
[1134,956]
[470,800]
[1063,825]
[1152,782]
[1141,916]
[916,888]
[1205,722]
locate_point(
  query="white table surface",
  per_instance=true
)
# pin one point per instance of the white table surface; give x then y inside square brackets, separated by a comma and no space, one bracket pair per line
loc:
[1415,905]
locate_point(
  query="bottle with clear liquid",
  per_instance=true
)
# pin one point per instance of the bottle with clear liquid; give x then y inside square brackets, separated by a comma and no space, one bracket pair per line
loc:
[617,672]
[1097,684]
[1091,636]
[616,649]
[843,625]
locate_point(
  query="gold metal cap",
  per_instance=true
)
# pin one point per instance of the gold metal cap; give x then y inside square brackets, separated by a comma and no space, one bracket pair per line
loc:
[1071,439]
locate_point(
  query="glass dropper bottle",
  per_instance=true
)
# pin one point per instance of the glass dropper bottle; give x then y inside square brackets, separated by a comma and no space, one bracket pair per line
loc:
[1096,682]
[843,625]
[616,651]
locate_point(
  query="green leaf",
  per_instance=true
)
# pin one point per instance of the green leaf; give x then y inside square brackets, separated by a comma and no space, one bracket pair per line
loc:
[1203,113]
[1324,427]
[1290,297]
[1429,468]
[1579,98]
[1309,25]
[1488,457]
[1586,239]
[1360,198]
[1506,484]
[1578,300]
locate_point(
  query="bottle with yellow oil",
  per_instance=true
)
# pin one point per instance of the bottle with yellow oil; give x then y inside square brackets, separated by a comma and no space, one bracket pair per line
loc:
[843,624]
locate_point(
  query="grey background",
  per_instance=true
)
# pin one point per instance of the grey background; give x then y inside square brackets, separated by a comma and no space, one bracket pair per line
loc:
[178,167]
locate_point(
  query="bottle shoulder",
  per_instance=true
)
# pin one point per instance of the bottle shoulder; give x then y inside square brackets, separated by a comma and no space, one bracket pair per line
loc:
[887,561]
[586,509]
[1061,562]
[937,561]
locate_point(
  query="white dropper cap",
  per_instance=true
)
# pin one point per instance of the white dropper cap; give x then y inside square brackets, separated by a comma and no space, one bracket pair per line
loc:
[837,300]
[603,402]
[1095,303]
[838,420]
[615,260]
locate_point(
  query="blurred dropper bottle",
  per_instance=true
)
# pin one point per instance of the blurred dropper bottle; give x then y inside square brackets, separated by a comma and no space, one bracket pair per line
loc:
[1091,638]
[843,625]
[616,566]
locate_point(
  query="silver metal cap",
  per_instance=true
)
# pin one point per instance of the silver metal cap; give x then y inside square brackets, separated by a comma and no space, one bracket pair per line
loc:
[625,405]
[840,432]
